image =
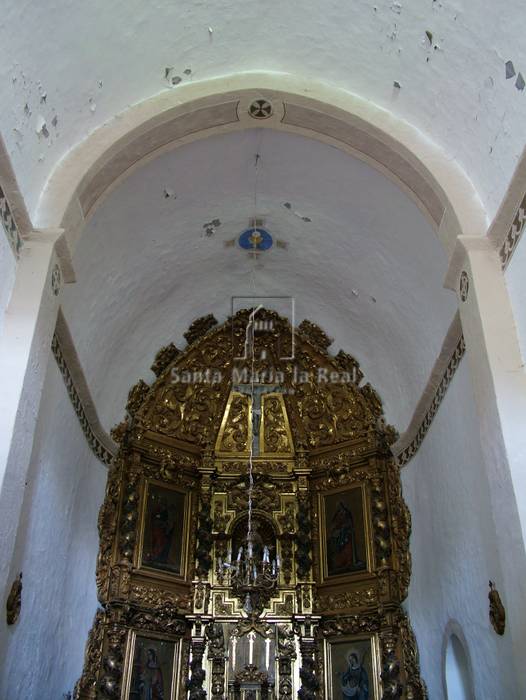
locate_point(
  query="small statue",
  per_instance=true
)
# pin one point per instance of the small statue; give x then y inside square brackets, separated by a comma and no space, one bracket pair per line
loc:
[14,601]
[497,613]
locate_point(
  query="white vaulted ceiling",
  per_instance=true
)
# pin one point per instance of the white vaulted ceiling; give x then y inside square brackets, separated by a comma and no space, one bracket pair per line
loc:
[72,66]
[368,267]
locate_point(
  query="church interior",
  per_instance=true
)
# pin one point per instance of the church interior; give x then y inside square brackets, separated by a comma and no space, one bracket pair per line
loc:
[262,350]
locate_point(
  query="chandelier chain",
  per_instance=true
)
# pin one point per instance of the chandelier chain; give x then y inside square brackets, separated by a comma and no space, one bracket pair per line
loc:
[257,161]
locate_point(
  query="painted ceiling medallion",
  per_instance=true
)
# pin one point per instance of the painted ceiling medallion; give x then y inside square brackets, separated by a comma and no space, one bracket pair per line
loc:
[260,109]
[255,239]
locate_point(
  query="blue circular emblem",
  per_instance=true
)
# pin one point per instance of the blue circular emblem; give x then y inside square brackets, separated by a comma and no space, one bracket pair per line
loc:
[255,239]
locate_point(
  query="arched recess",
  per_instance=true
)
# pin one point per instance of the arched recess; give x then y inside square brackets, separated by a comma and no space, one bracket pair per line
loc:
[323,476]
[457,674]
[194,111]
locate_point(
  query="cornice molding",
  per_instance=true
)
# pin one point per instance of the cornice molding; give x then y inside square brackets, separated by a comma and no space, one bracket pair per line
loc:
[442,374]
[68,363]
[9,225]
[514,234]
[508,225]
[13,213]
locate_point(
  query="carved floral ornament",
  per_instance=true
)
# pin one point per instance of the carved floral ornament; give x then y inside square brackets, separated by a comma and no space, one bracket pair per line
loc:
[320,439]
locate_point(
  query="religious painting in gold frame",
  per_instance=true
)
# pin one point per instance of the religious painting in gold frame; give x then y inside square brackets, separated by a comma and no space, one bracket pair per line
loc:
[164,530]
[153,667]
[345,547]
[352,668]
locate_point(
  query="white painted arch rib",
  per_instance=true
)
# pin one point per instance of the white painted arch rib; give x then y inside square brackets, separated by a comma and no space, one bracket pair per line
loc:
[113,151]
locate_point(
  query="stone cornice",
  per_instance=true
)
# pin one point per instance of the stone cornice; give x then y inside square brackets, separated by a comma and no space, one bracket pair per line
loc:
[68,363]
[448,360]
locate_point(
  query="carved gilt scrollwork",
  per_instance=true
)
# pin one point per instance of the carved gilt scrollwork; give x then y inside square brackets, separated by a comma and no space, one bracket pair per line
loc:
[163,358]
[276,432]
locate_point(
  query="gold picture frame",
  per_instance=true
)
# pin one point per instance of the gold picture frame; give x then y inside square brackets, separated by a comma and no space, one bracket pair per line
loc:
[352,662]
[345,546]
[152,666]
[164,535]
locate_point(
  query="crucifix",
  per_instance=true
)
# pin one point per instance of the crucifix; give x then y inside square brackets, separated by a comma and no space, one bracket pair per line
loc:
[256,392]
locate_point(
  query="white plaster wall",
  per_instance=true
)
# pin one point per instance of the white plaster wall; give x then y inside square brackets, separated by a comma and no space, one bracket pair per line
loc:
[56,551]
[85,62]
[453,546]
[516,281]
[7,274]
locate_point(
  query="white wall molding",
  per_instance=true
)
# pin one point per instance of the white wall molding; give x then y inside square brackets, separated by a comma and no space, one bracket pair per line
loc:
[9,225]
[514,234]
[14,217]
[446,364]
[508,225]
[69,365]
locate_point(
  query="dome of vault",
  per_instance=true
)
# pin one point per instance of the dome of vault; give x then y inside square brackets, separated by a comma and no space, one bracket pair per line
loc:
[354,252]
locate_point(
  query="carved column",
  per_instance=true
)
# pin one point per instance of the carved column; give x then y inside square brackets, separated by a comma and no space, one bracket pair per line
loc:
[194,684]
[392,687]
[304,539]
[310,683]
[286,655]
[204,530]
[216,653]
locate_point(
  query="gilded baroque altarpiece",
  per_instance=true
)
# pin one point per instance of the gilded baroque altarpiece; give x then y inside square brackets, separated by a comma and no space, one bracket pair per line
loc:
[327,502]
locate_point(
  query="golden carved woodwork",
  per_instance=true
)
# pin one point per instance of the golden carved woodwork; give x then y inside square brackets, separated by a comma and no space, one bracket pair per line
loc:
[235,433]
[276,438]
[321,432]
[163,358]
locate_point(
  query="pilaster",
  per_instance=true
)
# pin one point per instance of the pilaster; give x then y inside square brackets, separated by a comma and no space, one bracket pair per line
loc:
[25,344]
[499,384]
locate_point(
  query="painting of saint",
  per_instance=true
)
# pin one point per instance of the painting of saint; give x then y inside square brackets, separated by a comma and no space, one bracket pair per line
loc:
[163,529]
[351,671]
[152,672]
[345,532]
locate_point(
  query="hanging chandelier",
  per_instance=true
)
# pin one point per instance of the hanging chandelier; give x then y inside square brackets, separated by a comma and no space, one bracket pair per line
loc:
[252,575]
